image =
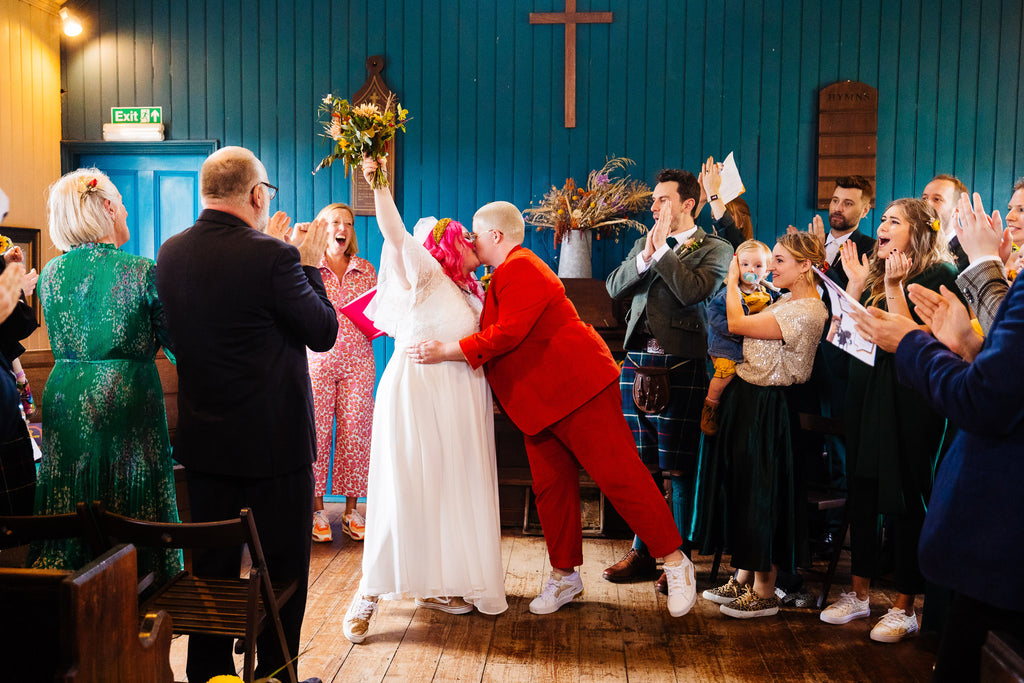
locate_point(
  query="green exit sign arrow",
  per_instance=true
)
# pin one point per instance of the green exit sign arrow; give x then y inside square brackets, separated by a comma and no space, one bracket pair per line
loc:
[136,114]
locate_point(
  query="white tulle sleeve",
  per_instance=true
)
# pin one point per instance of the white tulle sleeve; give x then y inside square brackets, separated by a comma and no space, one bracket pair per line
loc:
[393,302]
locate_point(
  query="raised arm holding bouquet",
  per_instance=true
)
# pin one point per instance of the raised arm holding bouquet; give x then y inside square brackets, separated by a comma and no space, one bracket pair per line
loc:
[361,129]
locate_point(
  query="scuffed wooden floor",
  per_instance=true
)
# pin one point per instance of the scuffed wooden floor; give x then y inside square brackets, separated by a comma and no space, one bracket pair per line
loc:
[615,632]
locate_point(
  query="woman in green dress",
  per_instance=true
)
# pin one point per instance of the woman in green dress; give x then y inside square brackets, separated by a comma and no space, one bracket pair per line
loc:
[104,424]
[893,437]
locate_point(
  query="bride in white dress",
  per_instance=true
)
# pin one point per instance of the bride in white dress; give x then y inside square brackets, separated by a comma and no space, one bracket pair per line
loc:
[432,526]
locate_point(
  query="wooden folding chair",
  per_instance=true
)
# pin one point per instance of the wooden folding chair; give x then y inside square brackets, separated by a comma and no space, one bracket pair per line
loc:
[239,607]
[17,530]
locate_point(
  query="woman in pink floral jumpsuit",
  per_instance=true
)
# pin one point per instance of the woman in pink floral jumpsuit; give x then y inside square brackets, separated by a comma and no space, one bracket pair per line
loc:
[343,381]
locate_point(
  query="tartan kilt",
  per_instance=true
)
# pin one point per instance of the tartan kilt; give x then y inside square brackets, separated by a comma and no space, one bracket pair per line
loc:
[17,476]
[671,438]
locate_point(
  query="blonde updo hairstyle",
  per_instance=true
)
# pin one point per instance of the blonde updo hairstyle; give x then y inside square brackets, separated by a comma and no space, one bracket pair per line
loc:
[925,247]
[805,247]
[352,245]
[75,208]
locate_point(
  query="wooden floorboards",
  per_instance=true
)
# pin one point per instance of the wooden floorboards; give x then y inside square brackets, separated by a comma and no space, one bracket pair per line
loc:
[615,632]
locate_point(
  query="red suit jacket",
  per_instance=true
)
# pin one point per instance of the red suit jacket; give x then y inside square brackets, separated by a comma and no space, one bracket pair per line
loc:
[541,360]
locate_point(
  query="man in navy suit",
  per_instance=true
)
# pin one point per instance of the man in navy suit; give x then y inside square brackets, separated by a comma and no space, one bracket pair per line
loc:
[973,538]
[242,307]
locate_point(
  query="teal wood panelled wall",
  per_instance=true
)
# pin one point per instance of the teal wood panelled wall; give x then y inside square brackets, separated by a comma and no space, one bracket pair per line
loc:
[667,83]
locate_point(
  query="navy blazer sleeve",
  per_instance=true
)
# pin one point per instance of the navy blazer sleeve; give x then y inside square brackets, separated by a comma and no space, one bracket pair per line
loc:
[982,397]
[301,303]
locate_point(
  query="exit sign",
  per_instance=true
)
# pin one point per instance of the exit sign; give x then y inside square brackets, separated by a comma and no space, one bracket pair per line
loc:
[136,114]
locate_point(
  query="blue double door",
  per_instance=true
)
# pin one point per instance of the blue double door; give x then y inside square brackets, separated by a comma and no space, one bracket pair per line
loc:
[159,183]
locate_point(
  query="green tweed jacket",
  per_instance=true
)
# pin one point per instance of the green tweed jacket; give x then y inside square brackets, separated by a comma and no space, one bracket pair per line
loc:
[672,294]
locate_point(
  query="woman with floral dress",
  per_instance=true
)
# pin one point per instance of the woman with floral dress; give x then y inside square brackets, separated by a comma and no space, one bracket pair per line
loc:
[342,380]
[104,424]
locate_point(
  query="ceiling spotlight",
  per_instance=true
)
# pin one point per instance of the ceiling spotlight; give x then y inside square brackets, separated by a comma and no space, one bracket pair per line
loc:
[72,27]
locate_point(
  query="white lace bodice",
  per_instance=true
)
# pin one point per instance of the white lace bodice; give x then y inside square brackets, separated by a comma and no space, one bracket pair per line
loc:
[433,308]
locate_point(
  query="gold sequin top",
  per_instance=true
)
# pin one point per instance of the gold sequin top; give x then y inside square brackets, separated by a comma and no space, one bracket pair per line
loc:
[781,362]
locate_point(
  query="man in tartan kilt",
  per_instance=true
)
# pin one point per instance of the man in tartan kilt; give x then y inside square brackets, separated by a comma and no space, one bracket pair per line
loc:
[669,275]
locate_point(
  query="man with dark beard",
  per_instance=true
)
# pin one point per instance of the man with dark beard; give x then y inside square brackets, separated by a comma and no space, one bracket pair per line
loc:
[851,201]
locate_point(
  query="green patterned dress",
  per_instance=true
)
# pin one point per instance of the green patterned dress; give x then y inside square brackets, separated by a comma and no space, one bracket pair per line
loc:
[104,423]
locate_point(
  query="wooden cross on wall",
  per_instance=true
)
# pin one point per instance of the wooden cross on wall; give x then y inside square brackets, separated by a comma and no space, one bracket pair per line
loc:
[570,17]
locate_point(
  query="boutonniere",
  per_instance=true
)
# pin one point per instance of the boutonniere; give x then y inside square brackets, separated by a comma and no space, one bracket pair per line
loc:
[692,245]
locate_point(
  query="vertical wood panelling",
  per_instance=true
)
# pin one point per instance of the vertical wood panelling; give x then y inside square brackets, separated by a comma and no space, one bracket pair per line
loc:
[667,84]
[30,120]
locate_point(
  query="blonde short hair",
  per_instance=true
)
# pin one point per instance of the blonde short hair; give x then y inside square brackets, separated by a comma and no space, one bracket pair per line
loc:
[754,245]
[75,207]
[352,247]
[503,217]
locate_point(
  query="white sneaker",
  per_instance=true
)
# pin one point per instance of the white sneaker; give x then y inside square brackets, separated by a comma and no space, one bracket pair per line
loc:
[846,609]
[357,618]
[321,527]
[453,605]
[682,586]
[558,591]
[894,626]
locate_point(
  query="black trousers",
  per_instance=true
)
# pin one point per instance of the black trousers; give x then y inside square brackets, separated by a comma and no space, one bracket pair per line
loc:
[282,508]
[967,625]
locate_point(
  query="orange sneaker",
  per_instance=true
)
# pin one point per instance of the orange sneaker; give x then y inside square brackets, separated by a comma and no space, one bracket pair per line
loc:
[354,525]
[321,527]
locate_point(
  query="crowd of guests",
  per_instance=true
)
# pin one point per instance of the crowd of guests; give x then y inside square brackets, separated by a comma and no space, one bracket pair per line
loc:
[275,379]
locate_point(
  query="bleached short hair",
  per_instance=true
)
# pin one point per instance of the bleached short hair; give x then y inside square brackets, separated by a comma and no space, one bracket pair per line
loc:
[75,208]
[503,217]
[228,175]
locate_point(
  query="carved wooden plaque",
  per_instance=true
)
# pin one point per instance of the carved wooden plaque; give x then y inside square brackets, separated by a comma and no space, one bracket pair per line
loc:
[847,135]
[374,91]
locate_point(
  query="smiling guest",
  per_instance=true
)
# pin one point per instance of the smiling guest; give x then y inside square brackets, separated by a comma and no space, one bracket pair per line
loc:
[1015,215]
[749,484]
[893,436]
[342,381]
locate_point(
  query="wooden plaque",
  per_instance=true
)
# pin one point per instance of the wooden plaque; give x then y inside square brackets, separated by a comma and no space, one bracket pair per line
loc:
[847,135]
[374,91]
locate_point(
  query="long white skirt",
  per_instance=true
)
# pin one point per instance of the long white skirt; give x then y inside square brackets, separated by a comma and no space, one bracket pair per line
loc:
[432,525]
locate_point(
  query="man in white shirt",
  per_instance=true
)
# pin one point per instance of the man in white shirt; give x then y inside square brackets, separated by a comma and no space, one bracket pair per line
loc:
[668,277]
[943,192]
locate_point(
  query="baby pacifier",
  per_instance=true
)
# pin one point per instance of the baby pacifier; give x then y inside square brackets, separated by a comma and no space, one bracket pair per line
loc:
[750,278]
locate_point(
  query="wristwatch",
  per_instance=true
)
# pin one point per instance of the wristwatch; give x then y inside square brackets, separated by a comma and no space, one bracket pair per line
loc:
[713,198]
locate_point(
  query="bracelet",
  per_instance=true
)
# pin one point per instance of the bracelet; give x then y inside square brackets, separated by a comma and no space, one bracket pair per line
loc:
[713,198]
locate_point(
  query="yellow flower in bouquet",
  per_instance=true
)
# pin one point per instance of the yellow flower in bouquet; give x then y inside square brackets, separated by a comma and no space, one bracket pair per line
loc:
[605,205]
[362,129]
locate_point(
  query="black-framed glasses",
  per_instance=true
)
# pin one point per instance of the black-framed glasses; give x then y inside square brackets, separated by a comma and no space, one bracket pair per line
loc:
[270,188]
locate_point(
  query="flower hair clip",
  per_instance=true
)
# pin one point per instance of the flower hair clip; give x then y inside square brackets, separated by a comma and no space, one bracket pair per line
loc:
[91,186]
[935,225]
[439,229]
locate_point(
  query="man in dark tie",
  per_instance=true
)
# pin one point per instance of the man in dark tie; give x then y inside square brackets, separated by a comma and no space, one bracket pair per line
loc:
[242,307]
[943,192]
[668,278]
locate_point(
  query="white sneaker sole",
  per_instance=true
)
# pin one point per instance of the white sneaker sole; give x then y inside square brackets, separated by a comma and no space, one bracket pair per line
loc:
[829,619]
[353,638]
[566,598]
[448,609]
[718,599]
[879,638]
[742,614]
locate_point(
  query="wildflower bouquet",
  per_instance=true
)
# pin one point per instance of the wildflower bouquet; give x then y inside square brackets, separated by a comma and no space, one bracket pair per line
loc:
[363,129]
[605,205]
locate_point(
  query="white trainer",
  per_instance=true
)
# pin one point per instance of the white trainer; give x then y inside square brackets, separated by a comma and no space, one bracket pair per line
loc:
[357,618]
[558,591]
[682,586]
[846,609]
[894,626]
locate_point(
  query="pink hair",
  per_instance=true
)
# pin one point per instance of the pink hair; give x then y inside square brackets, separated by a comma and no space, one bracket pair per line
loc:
[450,257]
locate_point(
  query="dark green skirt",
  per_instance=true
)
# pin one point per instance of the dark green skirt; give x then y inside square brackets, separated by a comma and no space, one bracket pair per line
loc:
[749,493]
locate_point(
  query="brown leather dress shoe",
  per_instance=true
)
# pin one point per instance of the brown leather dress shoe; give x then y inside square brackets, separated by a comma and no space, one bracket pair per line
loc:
[632,565]
[661,585]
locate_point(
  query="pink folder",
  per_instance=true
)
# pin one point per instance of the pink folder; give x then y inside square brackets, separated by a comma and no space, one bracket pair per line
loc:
[355,310]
